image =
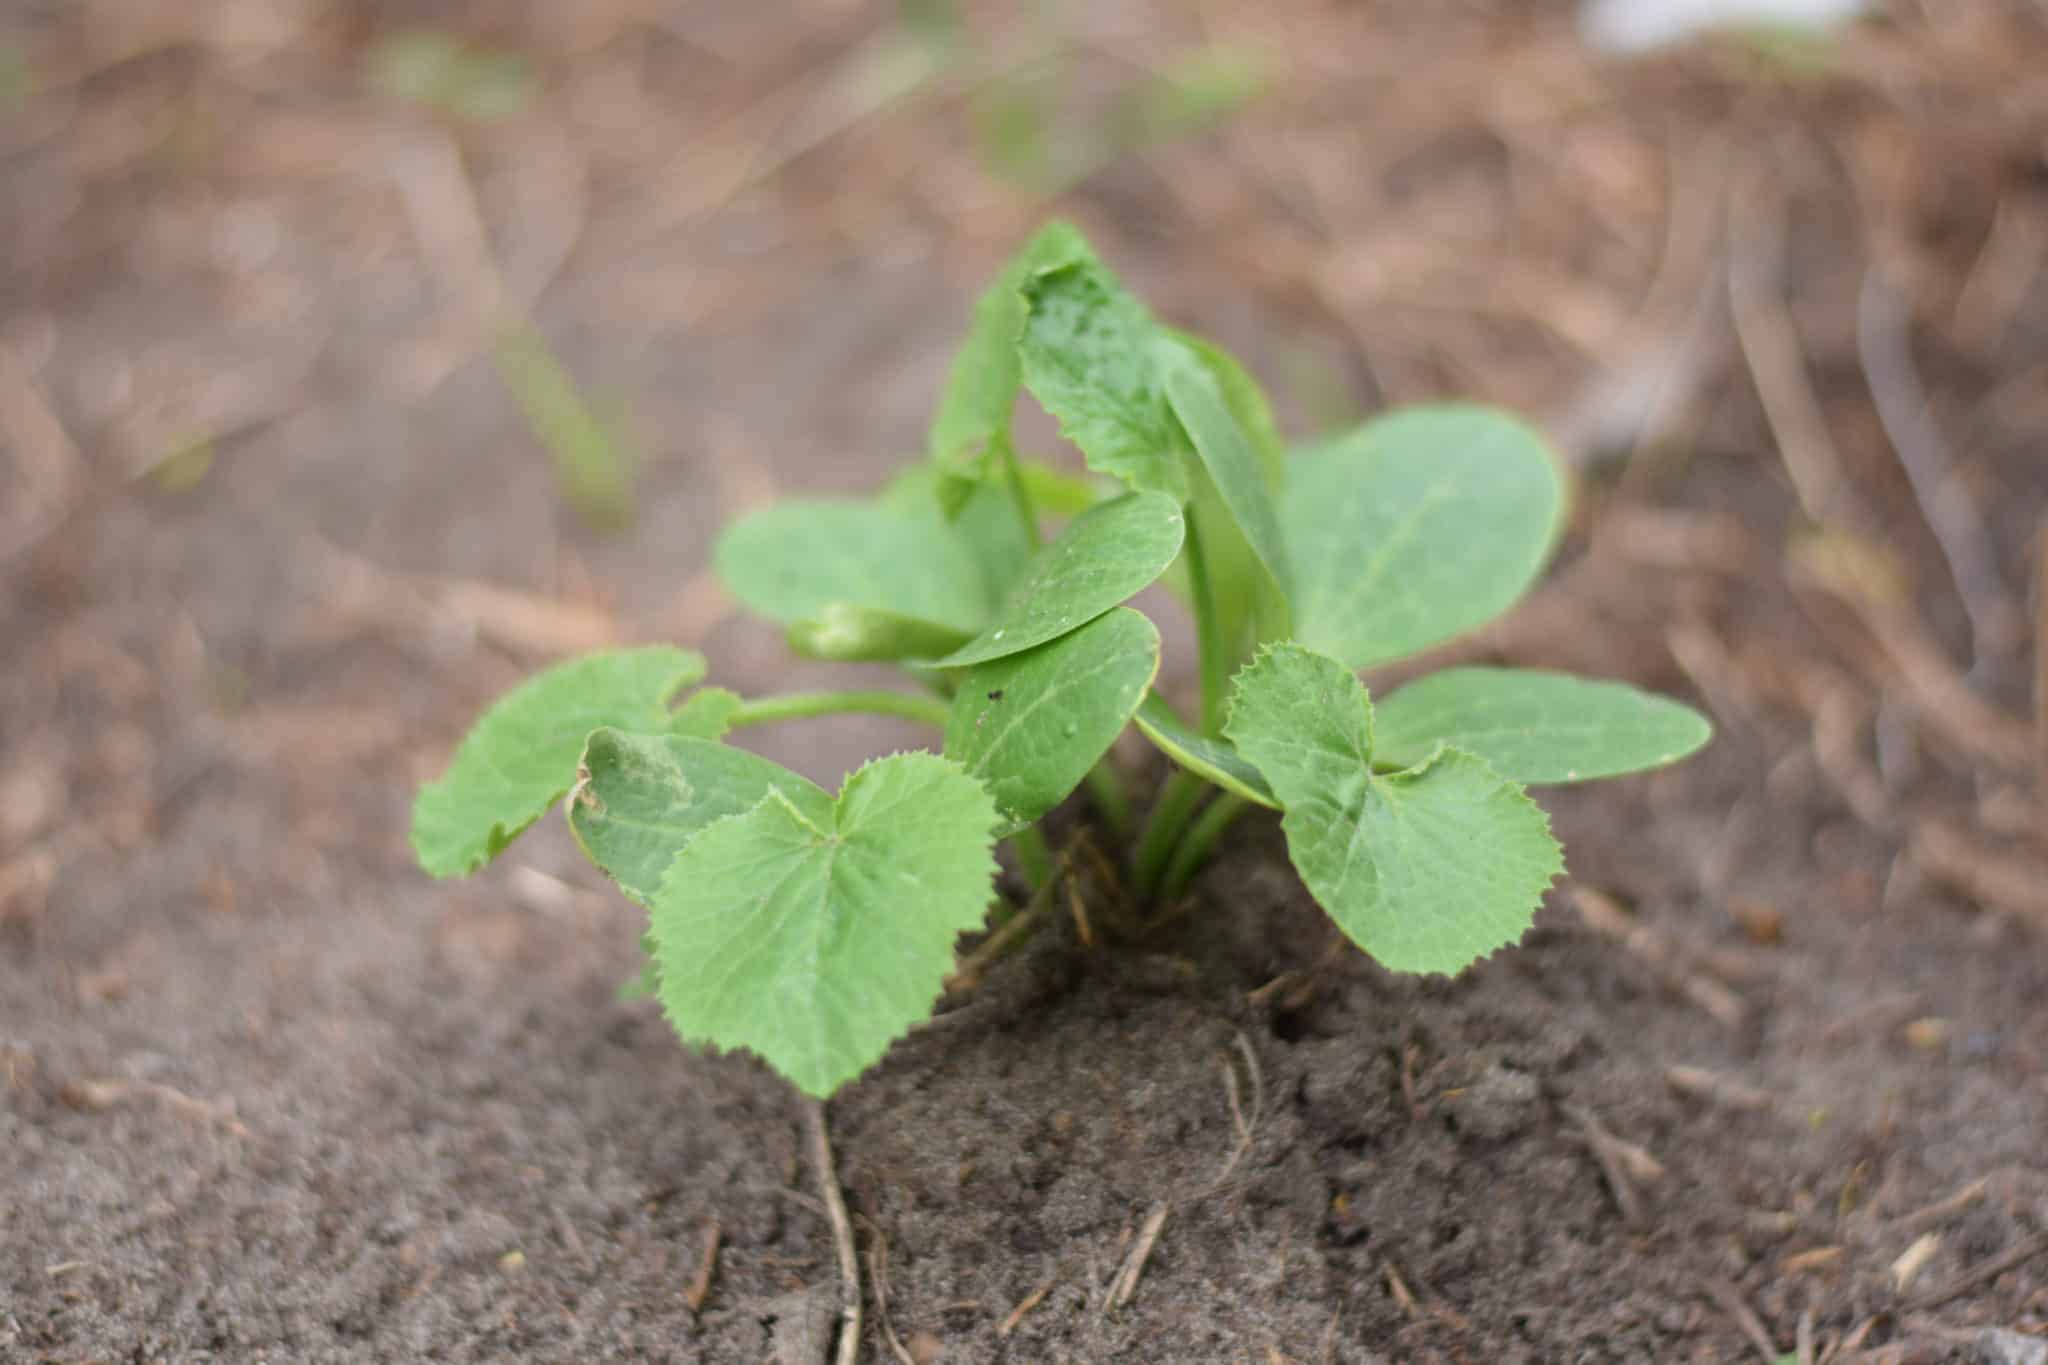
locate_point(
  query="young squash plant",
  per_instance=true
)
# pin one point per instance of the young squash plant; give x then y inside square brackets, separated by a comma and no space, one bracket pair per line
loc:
[814,928]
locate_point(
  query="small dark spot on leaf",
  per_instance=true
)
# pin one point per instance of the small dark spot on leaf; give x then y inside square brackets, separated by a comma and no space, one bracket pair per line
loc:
[996,695]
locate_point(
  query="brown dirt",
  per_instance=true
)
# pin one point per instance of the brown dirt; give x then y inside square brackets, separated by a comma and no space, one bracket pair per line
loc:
[265,1094]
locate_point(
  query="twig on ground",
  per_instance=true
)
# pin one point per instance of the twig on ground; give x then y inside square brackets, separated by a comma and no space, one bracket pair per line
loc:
[1126,1282]
[1606,918]
[99,1095]
[2002,881]
[842,1233]
[1997,285]
[1622,1163]
[2011,1259]
[1913,1260]
[1703,1084]
[1935,1214]
[2041,678]
[707,1266]
[1023,1308]
[1908,420]
[52,469]
[1803,1338]
[878,1275]
[1933,686]
[968,972]
[1729,1300]
[1769,340]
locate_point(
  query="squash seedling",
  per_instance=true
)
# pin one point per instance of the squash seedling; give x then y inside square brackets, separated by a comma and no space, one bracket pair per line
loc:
[814,928]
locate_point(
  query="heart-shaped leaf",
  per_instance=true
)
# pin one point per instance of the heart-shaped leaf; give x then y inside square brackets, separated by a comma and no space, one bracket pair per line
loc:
[1031,725]
[1088,354]
[1429,869]
[1105,555]
[1205,757]
[520,758]
[815,937]
[1416,527]
[642,798]
[1537,727]
[791,560]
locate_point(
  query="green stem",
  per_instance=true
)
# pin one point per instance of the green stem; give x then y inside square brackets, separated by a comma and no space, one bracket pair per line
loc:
[1201,838]
[1106,789]
[1163,827]
[1034,859]
[1208,635]
[1020,496]
[799,705]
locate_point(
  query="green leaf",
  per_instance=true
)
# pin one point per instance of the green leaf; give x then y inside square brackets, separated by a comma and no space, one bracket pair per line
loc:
[981,389]
[1247,402]
[707,714]
[1249,604]
[438,70]
[791,560]
[850,634]
[1416,527]
[1537,727]
[1427,870]
[642,798]
[1031,725]
[815,937]
[520,757]
[1227,452]
[1207,758]
[1088,353]
[983,522]
[1108,553]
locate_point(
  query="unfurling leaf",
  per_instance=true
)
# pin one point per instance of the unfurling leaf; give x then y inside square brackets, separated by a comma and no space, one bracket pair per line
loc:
[1428,869]
[814,932]
[1537,727]
[1227,451]
[1108,553]
[973,417]
[849,634]
[1416,527]
[1031,725]
[1088,353]
[520,758]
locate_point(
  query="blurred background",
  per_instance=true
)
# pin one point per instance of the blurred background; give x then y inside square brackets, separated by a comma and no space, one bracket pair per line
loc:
[357,358]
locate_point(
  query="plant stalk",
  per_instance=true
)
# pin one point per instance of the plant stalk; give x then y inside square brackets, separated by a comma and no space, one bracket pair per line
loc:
[802,705]
[1214,650]
[1199,841]
[1034,859]
[1020,496]
[1112,799]
[1163,828]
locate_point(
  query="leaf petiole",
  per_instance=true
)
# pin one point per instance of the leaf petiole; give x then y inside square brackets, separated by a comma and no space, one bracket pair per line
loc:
[802,705]
[1209,642]
[1034,859]
[1197,843]
[1163,828]
[1020,495]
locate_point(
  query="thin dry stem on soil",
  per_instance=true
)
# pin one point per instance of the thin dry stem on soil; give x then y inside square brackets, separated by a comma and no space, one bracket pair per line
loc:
[842,1233]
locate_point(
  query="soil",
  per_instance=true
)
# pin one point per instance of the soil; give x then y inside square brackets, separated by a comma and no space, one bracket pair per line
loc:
[1769,1078]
